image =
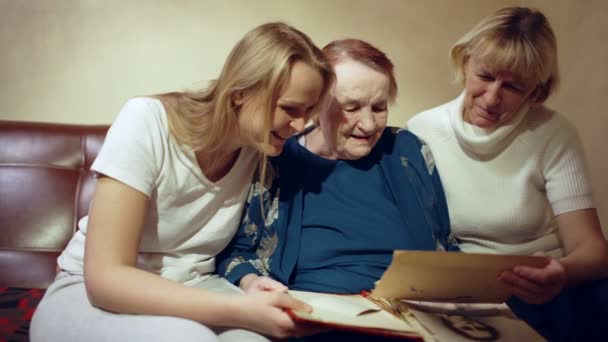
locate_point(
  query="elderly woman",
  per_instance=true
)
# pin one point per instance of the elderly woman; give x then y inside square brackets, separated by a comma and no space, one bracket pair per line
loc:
[347,192]
[517,181]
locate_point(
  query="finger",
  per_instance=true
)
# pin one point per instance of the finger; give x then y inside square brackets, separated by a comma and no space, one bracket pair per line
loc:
[254,288]
[286,301]
[529,298]
[548,258]
[285,325]
[515,282]
[273,285]
[541,276]
[530,293]
[515,290]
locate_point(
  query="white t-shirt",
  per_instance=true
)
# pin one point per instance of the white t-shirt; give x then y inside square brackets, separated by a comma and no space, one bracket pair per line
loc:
[504,187]
[190,219]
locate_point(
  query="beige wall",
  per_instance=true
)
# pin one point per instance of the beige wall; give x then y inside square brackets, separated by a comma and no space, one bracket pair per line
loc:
[77,61]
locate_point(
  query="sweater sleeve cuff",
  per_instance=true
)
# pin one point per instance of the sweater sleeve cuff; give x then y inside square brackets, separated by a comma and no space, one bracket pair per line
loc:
[572,204]
[240,271]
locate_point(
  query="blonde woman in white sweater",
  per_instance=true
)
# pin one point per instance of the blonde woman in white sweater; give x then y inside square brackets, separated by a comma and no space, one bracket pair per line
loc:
[514,173]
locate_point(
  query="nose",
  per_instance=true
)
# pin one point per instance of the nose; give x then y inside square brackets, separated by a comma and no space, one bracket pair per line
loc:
[367,121]
[298,124]
[493,95]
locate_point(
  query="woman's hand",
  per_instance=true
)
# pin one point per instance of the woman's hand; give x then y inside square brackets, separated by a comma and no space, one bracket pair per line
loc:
[252,283]
[536,285]
[264,312]
[277,324]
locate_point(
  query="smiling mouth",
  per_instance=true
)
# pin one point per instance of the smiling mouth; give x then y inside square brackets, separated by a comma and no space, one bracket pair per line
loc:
[279,137]
[360,137]
[484,113]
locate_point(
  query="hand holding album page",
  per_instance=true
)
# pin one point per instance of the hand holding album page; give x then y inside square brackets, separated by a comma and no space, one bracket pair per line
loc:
[354,313]
[450,276]
[399,307]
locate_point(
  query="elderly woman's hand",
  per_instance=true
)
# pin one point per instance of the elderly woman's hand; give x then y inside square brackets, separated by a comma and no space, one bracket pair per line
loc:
[252,283]
[536,285]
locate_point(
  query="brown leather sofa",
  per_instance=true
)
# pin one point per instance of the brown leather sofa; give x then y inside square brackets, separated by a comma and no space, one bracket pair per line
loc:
[45,188]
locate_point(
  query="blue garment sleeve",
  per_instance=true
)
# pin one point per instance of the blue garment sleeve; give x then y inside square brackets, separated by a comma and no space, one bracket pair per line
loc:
[427,183]
[241,256]
[440,208]
[263,245]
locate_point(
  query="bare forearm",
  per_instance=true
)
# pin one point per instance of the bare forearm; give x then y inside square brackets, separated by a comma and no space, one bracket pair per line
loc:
[125,289]
[586,248]
[586,263]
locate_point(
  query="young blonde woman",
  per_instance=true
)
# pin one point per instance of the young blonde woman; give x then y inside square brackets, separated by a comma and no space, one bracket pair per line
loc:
[515,177]
[173,175]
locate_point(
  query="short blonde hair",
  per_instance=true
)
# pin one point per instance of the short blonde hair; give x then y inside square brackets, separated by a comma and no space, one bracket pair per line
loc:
[515,39]
[258,65]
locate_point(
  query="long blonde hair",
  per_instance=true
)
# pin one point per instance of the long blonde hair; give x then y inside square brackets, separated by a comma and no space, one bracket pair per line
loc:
[260,63]
[515,39]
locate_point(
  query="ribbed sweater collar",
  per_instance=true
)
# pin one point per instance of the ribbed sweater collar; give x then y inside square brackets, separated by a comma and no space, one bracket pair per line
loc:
[482,141]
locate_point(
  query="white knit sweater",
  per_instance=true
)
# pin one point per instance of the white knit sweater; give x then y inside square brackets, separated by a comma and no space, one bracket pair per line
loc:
[505,186]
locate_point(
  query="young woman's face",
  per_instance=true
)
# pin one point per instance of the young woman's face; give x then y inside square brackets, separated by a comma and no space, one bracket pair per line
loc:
[357,116]
[292,110]
[492,98]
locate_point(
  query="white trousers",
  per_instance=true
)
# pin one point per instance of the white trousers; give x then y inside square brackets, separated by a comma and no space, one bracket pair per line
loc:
[65,314]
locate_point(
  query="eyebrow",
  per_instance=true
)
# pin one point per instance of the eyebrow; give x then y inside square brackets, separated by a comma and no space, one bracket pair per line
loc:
[350,100]
[291,103]
[516,80]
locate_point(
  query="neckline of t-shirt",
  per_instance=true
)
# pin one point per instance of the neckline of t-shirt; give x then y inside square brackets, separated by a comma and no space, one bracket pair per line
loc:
[243,154]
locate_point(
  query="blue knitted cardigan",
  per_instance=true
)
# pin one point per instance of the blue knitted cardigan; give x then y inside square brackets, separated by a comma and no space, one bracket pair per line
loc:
[269,244]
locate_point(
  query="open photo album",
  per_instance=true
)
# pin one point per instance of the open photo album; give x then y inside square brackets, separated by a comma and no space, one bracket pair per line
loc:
[428,296]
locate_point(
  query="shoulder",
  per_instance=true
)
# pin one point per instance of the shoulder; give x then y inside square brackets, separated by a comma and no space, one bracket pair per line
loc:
[290,149]
[135,145]
[140,129]
[286,165]
[398,138]
[548,119]
[404,137]
[433,123]
[417,149]
[144,102]
[141,115]
[403,143]
[401,149]
[143,108]
[544,124]
[433,116]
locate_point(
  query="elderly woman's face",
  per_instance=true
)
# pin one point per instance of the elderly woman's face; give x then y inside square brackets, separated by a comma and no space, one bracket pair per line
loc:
[492,98]
[357,115]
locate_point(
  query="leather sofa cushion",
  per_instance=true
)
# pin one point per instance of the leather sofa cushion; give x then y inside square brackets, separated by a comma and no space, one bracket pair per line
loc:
[45,188]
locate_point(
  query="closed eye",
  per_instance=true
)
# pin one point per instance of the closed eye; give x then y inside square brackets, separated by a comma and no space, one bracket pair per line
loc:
[486,77]
[379,108]
[350,108]
[515,88]
[293,111]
